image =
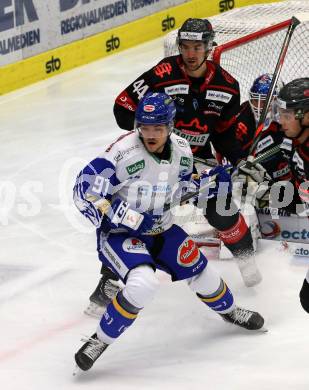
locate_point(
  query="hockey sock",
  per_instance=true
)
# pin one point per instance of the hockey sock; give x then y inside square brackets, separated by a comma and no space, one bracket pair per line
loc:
[238,238]
[221,301]
[119,315]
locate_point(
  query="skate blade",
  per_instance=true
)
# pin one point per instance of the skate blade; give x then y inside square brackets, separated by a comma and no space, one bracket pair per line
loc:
[260,330]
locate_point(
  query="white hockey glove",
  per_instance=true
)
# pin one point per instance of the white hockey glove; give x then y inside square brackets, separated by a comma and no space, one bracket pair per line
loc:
[253,181]
[121,215]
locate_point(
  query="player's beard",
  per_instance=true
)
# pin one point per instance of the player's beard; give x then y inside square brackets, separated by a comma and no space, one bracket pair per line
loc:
[193,66]
[153,146]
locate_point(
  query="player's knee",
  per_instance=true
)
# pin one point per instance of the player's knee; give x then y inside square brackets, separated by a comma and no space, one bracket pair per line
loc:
[304,296]
[205,282]
[141,286]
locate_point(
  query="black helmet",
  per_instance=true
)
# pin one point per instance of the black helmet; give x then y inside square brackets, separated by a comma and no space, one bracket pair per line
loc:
[196,30]
[295,95]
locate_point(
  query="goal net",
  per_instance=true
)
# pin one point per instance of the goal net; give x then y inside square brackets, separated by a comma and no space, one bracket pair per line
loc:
[249,41]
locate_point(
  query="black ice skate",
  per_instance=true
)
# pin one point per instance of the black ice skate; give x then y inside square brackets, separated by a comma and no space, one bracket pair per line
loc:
[90,352]
[104,293]
[244,318]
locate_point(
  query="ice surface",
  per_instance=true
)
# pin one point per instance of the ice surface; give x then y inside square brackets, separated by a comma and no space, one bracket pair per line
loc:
[48,265]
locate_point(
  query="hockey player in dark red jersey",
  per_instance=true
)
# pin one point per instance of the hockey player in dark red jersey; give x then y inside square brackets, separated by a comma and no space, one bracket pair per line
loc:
[293,114]
[293,103]
[293,139]
[207,99]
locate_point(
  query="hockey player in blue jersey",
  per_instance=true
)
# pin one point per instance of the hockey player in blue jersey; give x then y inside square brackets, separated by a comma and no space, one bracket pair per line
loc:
[123,193]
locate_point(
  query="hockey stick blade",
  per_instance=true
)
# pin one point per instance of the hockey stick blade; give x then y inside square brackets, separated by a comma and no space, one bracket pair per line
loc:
[206,161]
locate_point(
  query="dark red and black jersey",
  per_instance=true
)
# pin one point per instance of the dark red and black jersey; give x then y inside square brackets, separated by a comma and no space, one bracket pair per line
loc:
[206,106]
[277,166]
[299,162]
[245,127]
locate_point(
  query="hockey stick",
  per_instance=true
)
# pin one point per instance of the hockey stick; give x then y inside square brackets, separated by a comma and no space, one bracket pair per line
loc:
[293,24]
[274,150]
[191,195]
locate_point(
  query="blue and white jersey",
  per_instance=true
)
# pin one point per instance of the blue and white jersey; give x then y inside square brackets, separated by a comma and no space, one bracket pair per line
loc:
[126,170]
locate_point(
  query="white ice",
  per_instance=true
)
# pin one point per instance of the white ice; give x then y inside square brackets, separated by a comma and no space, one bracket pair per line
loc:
[48,265]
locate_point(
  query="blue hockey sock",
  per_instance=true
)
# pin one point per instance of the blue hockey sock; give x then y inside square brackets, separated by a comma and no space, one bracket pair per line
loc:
[221,300]
[119,315]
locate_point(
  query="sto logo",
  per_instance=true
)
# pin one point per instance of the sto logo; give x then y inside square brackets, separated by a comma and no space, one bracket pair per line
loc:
[188,253]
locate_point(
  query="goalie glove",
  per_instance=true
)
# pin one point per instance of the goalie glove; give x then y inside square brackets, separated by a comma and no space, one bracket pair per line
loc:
[252,180]
[121,215]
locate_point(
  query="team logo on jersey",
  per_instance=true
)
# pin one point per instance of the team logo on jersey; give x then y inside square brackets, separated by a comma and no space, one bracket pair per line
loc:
[133,168]
[218,96]
[182,142]
[160,69]
[264,143]
[177,89]
[188,253]
[134,245]
[185,161]
[193,138]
